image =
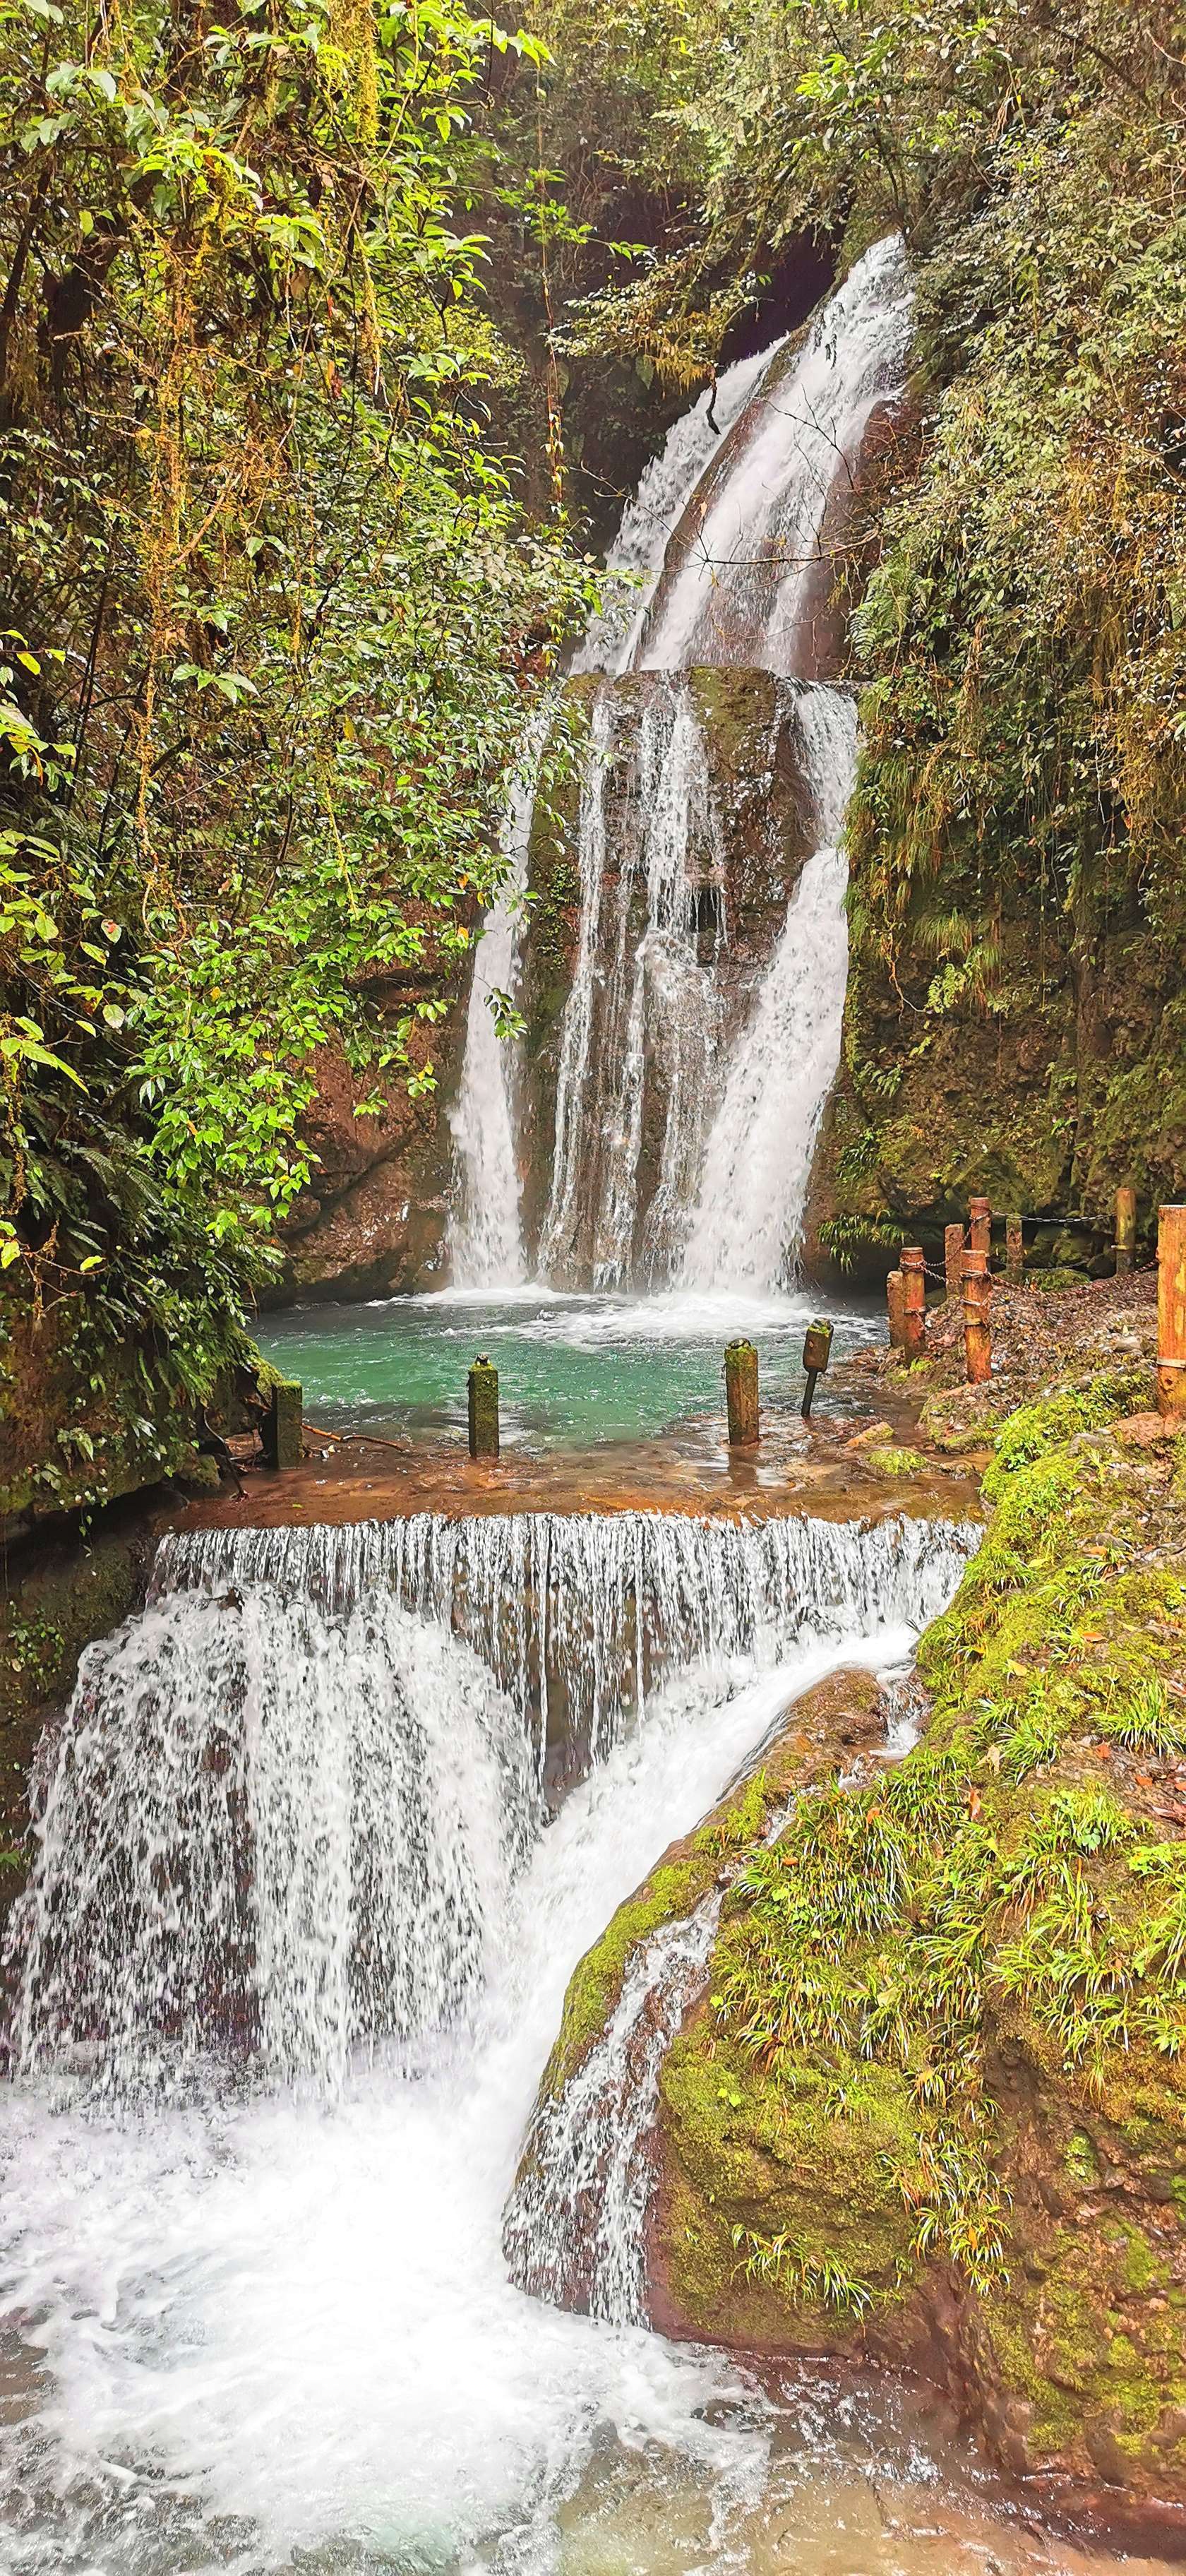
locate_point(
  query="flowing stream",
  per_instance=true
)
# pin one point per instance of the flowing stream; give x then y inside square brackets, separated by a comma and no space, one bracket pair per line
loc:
[290,1964]
[688,1102]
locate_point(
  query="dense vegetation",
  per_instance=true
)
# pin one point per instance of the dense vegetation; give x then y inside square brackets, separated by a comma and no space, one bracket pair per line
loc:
[271,613]
[286,458]
[1018,903]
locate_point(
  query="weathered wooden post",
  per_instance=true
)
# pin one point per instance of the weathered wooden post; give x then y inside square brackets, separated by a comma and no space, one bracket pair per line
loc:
[977,1328]
[914,1302]
[953,1260]
[1126,1230]
[741,1394]
[895,1305]
[980,1225]
[817,1351]
[1014,1251]
[1171,1310]
[483,1409]
[280,1429]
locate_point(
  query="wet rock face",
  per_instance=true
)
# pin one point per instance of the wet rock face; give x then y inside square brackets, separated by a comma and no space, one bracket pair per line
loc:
[373,1221]
[750,827]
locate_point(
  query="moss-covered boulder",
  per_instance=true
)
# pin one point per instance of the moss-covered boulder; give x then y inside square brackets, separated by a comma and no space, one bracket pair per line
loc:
[932,2103]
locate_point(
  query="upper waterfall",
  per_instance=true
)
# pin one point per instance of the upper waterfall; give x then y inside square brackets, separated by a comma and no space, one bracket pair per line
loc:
[635,559]
[743,560]
[675,1100]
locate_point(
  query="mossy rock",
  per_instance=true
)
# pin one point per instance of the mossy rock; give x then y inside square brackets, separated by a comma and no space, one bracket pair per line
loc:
[934,2097]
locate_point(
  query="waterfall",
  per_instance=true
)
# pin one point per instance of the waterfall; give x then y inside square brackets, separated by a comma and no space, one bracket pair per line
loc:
[642,1012]
[748,1220]
[746,559]
[485,1238]
[580,1617]
[295,1893]
[689,1087]
[270,1827]
[651,518]
[575,2229]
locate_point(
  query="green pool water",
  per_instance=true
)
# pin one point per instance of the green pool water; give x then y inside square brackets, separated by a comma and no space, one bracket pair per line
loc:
[572,1369]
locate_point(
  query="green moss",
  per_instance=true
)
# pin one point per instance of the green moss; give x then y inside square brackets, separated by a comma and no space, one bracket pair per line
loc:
[1081,2160]
[896,1461]
[53,1612]
[595,1985]
[788,2198]
[1047,1424]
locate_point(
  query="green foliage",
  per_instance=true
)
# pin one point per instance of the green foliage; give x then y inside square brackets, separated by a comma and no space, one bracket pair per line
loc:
[275,615]
[896,1923]
[820,2277]
[1147,1721]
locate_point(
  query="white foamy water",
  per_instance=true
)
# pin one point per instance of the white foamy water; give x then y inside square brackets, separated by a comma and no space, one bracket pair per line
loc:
[269,2317]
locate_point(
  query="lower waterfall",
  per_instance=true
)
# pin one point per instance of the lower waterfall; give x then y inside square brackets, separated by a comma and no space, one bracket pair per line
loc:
[290,1964]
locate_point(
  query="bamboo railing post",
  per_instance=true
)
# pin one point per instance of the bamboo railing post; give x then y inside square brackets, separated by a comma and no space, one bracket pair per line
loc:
[483,1409]
[980,1225]
[741,1394]
[1014,1251]
[1126,1230]
[953,1260]
[895,1302]
[914,1302]
[1171,1311]
[977,1328]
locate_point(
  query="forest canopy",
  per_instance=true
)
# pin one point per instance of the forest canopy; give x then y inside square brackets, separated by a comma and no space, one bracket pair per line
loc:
[272,611]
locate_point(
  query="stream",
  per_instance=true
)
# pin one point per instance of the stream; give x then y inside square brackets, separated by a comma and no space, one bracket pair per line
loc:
[291,1962]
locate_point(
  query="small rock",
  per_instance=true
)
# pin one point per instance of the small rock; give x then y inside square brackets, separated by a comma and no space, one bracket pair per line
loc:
[872,1431]
[1105,2451]
[1142,1430]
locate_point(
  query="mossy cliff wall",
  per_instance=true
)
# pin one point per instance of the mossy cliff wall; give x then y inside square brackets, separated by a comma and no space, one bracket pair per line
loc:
[932,2101]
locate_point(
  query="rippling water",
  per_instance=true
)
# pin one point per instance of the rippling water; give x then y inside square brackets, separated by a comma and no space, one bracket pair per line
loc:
[572,1369]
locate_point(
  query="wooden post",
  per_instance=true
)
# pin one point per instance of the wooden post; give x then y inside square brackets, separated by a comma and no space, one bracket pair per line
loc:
[817,1351]
[1171,1311]
[953,1260]
[895,1300]
[280,1430]
[977,1328]
[914,1302]
[1126,1230]
[980,1225]
[1014,1251]
[741,1394]
[483,1409]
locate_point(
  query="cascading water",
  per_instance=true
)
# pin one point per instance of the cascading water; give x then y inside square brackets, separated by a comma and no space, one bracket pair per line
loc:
[485,1235]
[270,2311]
[649,521]
[757,1164]
[741,568]
[582,1616]
[641,1007]
[687,1104]
[273,1828]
